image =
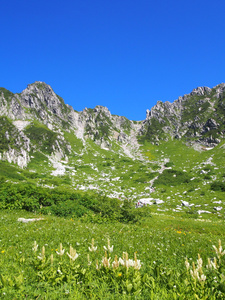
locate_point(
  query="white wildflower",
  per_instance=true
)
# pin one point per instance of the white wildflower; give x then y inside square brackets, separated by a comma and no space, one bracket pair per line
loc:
[202,278]
[121,261]
[219,250]
[61,250]
[199,262]
[106,261]
[194,273]
[88,258]
[59,271]
[187,264]
[73,254]
[125,259]
[130,263]
[41,256]
[97,265]
[110,249]
[115,263]
[212,264]
[35,246]
[92,248]
[197,273]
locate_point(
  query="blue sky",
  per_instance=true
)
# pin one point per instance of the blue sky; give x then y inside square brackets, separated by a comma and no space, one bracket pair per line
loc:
[125,55]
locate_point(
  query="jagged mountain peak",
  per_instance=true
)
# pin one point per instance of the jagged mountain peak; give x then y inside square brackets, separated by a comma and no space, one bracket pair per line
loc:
[41,91]
[198,116]
[38,88]
[38,85]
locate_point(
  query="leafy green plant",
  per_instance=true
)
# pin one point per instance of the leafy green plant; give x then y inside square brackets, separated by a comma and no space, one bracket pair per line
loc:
[172,177]
[218,186]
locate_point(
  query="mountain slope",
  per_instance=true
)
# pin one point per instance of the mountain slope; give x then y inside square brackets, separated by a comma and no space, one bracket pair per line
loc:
[54,145]
[198,116]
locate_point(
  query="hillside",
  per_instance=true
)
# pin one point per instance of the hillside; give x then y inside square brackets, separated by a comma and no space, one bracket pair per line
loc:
[178,149]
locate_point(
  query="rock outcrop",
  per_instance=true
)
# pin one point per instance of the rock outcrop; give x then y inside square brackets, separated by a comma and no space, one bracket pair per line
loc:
[198,116]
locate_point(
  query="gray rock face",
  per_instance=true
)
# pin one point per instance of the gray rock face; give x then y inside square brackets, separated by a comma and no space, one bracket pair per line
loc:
[200,91]
[39,94]
[21,158]
[45,104]
[210,125]
[194,115]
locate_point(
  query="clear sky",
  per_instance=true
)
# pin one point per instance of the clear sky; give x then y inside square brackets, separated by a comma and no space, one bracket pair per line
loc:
[123,54]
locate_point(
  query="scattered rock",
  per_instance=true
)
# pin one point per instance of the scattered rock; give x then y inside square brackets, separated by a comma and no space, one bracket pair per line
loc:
[217,208]
[158,201]
[185,203]
[23,220]
[203,211]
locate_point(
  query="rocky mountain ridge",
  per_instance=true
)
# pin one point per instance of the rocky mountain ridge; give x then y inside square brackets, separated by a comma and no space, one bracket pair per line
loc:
[198,117]
[38,120]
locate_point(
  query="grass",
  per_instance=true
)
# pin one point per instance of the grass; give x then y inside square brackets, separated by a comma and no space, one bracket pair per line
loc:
[159,241]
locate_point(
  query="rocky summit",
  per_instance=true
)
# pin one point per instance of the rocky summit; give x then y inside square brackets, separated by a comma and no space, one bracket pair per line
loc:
[171,158]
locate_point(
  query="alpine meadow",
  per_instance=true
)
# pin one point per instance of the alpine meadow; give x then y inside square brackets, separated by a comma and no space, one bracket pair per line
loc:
[97,206]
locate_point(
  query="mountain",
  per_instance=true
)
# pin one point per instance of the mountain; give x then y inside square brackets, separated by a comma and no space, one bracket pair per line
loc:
[52,144]
[198,116]
[37,117]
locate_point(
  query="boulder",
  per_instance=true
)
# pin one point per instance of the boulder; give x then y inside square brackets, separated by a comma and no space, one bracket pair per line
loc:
[23,220]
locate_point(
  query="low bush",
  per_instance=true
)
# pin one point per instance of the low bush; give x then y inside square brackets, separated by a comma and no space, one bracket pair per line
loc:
[64,203]
[218,186]
[172,177]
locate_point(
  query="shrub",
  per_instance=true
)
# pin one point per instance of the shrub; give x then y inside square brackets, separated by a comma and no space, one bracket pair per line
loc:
[62,202]
[172,177]
[169,164]
[218,186]
[68,208]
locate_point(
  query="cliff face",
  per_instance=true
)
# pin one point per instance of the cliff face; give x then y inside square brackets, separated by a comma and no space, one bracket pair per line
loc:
[37,120]
[198,116]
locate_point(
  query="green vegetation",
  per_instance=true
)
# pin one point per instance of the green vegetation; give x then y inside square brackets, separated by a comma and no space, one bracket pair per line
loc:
[148,236]
[102,131]
[192,108]
[102,126]
[126,125]
[46,140]
[154,131]
[8,135]
[218,186]
[7,94]
[62,202]
[57,258]
[172,177]
[42,137]
[8,170]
